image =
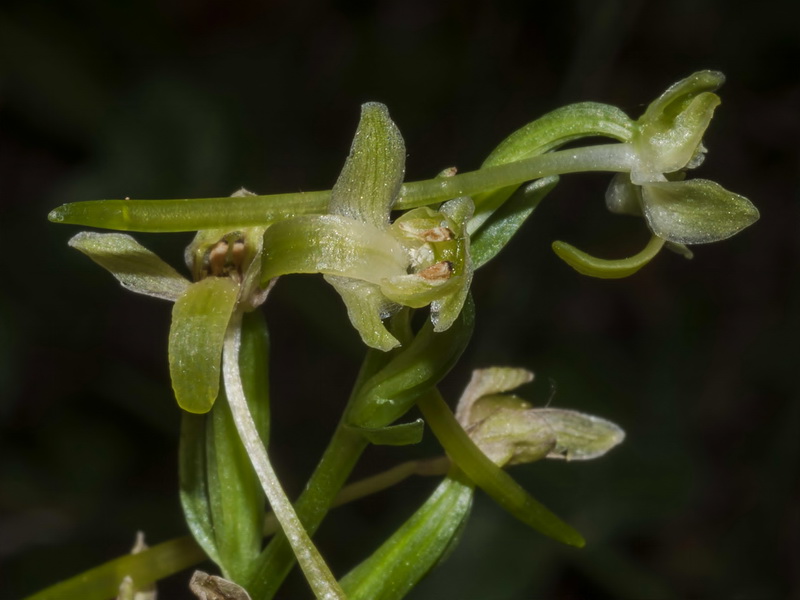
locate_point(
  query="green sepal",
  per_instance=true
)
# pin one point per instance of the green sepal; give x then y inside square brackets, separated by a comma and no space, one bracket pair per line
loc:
[697,211]
[415,548]
[679,95]
[402,434]
[199,320]
[511,432]
[503,224]
[221,496]
[501,424]
[134,266]
[373,172]
[488,476]
[602,268]
[420,364]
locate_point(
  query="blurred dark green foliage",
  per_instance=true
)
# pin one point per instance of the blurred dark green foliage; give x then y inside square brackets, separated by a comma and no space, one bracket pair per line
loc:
[697,360]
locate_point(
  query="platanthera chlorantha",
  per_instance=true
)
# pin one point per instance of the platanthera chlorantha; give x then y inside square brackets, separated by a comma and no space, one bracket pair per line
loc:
[385,270]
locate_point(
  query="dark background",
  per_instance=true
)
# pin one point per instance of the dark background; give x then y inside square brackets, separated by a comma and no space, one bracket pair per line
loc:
[696,360]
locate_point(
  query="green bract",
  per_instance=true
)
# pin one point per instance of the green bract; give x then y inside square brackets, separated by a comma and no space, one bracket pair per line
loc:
[421,259]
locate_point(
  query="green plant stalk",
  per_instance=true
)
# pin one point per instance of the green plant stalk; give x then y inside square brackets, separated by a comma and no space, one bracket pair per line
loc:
[334,468]
[214,213]
[321,580]
[488,476]
[173,556]
[399,376]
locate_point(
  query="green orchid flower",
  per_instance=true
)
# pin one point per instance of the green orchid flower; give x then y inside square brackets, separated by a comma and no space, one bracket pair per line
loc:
[510,431]
[226,282]
[422,259]
[667,141]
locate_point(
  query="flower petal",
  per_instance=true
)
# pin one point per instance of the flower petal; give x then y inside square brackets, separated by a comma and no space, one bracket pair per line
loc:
[671,102]
[697,211]
[670,131]
[373,173]
[199,320]
[366,307]
[622,197]
[579,436]
[135,267]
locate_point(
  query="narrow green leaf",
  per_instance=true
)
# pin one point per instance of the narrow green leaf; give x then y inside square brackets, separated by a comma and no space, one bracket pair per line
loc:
[696,211]
[561,126]
[236,499]
[134,266]
[488,476]
[402,434]
[503,224]
[193,470]
[586,264]
[199,320]
[415,548]
[373,173]
[220,493]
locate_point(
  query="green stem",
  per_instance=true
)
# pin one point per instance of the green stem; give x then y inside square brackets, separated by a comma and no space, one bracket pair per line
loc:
[319,577]
[334,468]
[212,213]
